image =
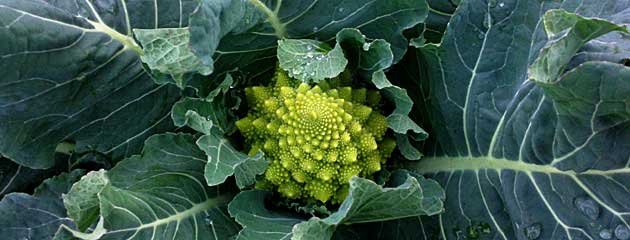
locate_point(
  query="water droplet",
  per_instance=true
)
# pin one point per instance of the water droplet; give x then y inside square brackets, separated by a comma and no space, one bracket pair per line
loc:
[605,233]
[622,232]
[312,74]
[587,206]
[533,231]
[366,46]
[340,9]
[295,71]
[502,4]
[309,54]
[480,36]
[315,29]
[309,48]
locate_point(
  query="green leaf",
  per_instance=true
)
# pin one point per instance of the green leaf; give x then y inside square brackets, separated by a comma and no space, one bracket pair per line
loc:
[369,202]
[440,13]
[39,215]
[529,159]
[163,192]
[406,148]
[202,114]
[251,45]
[17,178]
[224,160]
[82,202]
[213,19]
[374,57]
[167,51]
[246,173]
[72,72]
[366,202]
[402,124]
[575,32]
[248,208]
[224,87]
[310,61]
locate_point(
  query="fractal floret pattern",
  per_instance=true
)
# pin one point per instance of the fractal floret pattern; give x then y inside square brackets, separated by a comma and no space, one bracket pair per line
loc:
[316,138]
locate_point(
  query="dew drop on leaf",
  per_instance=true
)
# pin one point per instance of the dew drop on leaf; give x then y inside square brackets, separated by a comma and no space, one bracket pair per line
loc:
[587,206]
[366,46]
[622,232]
[502,4]
[309,48]
[533,231]
[315,29]
[340,9]
[605,233]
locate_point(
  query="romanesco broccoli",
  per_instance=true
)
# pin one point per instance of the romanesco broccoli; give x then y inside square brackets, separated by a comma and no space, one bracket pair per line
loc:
[316,138]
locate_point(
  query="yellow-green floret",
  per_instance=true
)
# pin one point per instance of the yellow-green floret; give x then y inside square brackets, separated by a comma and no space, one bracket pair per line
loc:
[316,138]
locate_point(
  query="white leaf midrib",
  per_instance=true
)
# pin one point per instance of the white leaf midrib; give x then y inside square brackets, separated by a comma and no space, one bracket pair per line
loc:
[431,165]
[179,216]
[99,27]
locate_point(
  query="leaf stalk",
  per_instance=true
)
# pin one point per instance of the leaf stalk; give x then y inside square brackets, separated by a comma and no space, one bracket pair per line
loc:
[272,17]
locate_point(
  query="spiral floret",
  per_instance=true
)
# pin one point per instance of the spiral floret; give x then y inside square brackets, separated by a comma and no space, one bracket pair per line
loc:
[316,138]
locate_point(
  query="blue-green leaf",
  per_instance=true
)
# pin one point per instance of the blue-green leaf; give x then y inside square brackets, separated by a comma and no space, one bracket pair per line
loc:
[225,161]
[250,44]
[167,51]
[572,32]
[310,61]
[522,159]
[161,191]
[366,202]
[37,216]
[72,72]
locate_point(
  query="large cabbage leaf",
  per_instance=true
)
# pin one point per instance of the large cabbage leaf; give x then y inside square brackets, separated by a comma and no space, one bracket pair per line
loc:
[238,35]
[37,216]
[71,72]
[160,194]
[366,202]
[540,156]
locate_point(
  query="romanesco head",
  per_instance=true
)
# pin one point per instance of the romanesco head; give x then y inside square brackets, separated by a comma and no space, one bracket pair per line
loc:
[316,138]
